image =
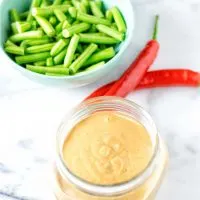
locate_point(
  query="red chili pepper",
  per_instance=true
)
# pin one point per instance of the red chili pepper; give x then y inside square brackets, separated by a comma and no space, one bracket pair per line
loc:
[134,74]
[160,78]
[171,77]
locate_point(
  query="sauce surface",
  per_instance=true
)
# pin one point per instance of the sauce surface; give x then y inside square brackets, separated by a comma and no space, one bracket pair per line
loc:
[107,148]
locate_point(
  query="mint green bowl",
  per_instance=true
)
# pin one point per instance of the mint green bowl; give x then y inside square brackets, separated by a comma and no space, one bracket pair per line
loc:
[79,79]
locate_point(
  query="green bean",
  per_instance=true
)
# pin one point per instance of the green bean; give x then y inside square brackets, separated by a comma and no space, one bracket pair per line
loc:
[14,28]
[65,25]
[44,3]
[95,66]
[35,3]
[57,2]
[95,10]
[60,15]
[76,22]
[86,3]
[43,40]
[49,62]
[44,70]
[111,32]
[59,27]
[46,26]
[21,27]
[99,3]
[26,35]
[93,29]
[92,19]
[79,6]
[78,28]
[9,43]
[23,15]
[39,48]
[59,36]
[102,55]
[109,15]
[118,19]
[34,25]
[53,20]
[32,58]
[58,47]
[73,12]
[40,63]
[48,11]
[14,15]
[114,26]
[59,59]
[78,63]
[67,3]
[93,38]
[71,50]
[15,50]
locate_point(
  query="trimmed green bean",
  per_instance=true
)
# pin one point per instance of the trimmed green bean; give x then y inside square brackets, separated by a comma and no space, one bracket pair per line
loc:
[78,28]
[58,47]
[114,26]
[76,22]
[79,6]
[32,58]
[46,26]
[94,38]
[78,63]
[95,66]
[14,15]
[40,63]
[44,3]
[59,59]
[34,25]
[15,50]
[59,36]
[23,15]
[49,10]
[71,50]
[95,10]
[59,27]
[39,48]
[119,19]
[57,2]
[67,3]
[102,55]
[14,28]
[53,20]
[49,62]
[60,15]
[92,19]
[109,15]
[43,40]
[44,70]
[111,32]
[73,12]
[93,29]
[65,25]
[9,43]
[35,3]
[22,26]
[26,35]
[99,3]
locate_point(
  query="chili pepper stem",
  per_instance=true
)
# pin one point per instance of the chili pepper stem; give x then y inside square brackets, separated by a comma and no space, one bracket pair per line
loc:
[155,32]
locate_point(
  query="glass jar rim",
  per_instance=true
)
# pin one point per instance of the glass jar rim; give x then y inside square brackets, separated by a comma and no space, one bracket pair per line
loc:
[116,189]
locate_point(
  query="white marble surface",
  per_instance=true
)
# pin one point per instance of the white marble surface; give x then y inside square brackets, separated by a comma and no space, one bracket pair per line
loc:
[30,113]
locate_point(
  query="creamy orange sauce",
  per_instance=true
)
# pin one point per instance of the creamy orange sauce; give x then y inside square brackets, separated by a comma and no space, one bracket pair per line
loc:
[107,148]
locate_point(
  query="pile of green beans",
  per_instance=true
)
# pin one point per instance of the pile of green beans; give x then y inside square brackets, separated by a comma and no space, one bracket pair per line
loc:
[64,37]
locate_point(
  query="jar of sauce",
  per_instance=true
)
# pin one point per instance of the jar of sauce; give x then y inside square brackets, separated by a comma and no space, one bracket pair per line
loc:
[109,149]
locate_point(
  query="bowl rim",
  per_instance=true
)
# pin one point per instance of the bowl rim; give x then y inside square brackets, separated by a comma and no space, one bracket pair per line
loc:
[107,65]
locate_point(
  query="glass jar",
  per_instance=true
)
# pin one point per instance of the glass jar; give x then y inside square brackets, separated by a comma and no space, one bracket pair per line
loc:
[142,187]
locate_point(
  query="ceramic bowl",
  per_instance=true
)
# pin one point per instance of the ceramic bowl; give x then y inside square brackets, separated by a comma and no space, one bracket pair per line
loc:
[81,79]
